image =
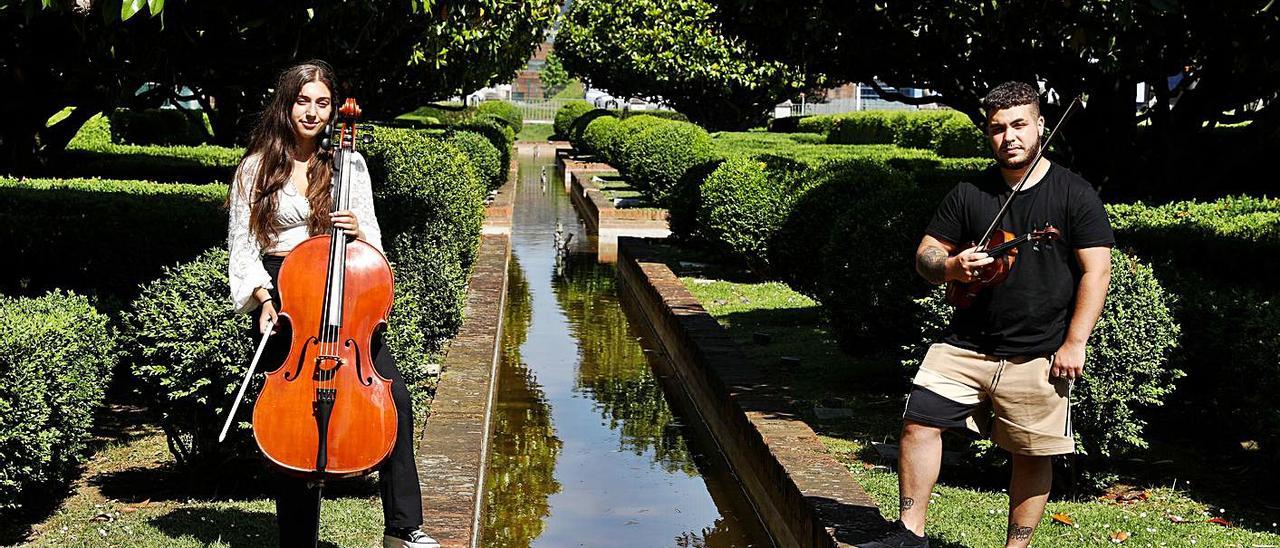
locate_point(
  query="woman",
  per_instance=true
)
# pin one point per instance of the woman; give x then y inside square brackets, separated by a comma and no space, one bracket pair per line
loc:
[279,198]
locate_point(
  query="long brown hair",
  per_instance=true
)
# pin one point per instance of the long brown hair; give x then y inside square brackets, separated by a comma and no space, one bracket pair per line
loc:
[273,143]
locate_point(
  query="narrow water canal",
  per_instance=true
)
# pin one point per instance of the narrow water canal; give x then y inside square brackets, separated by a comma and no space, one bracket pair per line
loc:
[587,451]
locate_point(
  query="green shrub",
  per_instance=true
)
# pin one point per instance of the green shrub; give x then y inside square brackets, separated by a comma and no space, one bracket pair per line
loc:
[484,156]
[498,134]
[568,114]
[188,351]
[599,136]
[1229,351]
[816,124]
[865,275]
[919,129]
[502,110]
[91,153]
[431,204]
[103,237]
[1126,369]
[1230,239]
[56,357]
[158,127]
[864,128]
[663,114]
[629,131]
[657,157]
[957,137]
[825,196]
[668,162]
[447,114]
[743,207]
[579,127]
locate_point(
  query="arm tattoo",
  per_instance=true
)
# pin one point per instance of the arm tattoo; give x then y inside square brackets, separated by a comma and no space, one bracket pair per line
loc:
[905,503]
[932,264]
[1019,532]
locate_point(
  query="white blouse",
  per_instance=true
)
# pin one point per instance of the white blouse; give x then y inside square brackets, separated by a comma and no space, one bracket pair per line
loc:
[245,270]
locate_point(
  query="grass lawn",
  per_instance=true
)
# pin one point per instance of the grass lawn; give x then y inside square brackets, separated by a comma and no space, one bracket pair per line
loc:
[129,495]
[537,133]
[966,509]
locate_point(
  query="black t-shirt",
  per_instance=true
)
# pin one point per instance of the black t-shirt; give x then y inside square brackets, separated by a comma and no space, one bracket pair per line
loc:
[1027,314]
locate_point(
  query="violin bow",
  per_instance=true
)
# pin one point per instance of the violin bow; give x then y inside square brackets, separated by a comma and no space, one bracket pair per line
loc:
[245,383]
[986,236]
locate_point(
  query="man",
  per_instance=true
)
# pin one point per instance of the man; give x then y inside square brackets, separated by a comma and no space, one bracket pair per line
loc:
[1006,364]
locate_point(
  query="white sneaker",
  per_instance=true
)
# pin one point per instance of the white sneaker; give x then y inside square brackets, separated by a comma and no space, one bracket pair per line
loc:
[414,538]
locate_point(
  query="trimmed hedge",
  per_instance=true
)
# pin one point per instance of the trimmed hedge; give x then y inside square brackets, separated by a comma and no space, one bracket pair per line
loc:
[431,203]
[431,114]
[568,114]
[91,153]
[155,126]
[599,136]
[957,137]
[1126,359]
[1215,252]
[188,351]
[579,126]
[656,158]
[103,237]
[743,206]
[56,358]
[504,111]
[485,157]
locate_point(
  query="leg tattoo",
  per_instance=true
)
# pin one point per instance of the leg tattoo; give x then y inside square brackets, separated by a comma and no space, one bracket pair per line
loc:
[1019,532]
[905,503]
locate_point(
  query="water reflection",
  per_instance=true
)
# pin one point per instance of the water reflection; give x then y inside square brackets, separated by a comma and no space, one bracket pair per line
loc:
[613,368]
[586,450]
[525,448]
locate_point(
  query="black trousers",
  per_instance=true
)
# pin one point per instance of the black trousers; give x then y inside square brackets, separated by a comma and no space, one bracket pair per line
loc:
[297,503]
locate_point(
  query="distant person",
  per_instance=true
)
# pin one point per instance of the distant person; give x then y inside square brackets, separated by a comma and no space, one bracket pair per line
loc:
[281,195]
[1006,364]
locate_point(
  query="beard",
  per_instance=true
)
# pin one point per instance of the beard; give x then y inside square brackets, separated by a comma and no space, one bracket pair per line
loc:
[1020,164]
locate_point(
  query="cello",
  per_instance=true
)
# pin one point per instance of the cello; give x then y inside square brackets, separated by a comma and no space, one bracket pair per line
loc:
[326,412]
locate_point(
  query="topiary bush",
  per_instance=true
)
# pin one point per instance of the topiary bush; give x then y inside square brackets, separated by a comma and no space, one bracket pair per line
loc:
[431,204]
[484,156]
[83,234]
[600,136]
[567,115]
[56,357]
[824,197]
[919,129]
[1126,362]
[504,111]
[629,132]
[579,126]
[155,126]
[188,350]
[957,137]
[865,276]
[658,157]
[743,207]
[864,128]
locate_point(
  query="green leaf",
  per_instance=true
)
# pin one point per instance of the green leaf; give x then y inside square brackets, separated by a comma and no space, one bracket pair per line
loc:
[130,7]
[155,7]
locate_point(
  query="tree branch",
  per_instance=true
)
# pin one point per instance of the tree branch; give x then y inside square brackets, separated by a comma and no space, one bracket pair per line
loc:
[901,98]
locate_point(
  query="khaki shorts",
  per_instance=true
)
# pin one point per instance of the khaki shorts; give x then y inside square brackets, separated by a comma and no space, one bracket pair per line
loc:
[1014,401]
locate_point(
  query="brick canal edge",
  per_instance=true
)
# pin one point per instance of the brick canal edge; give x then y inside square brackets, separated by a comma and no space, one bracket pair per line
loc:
[803,495]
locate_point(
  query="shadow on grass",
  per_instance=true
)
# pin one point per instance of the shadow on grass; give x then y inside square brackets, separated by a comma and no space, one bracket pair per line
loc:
[240,479]
[227,526]
[858,523]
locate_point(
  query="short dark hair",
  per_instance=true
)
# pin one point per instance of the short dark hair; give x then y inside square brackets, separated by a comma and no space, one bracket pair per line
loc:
[1009,95]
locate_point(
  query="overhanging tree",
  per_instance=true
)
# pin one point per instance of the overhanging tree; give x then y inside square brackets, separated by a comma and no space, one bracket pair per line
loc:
[674,51]
[960,49]
[92,55]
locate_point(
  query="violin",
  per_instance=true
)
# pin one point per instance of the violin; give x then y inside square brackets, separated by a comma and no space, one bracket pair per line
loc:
[1001,244]
[1004,249]
[326,412]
